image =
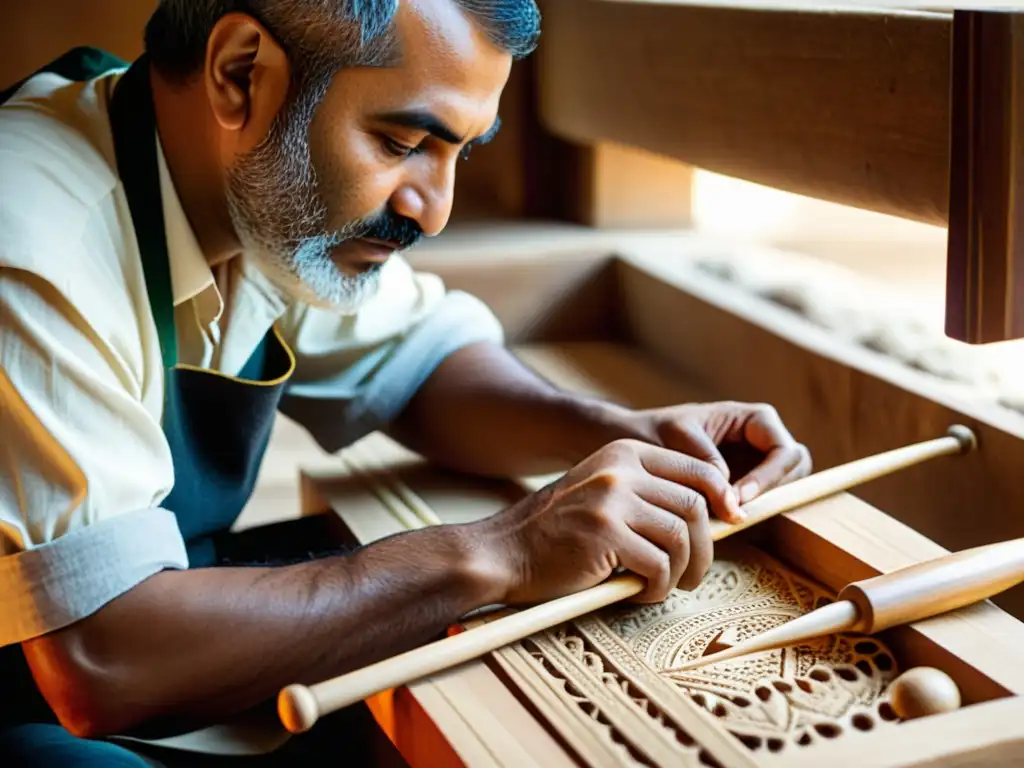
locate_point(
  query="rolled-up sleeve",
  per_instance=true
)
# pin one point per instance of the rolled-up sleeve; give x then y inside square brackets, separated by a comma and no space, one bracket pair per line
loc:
[83,464]
[356,373]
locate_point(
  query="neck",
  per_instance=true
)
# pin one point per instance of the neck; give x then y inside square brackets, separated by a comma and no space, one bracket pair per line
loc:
[190,149]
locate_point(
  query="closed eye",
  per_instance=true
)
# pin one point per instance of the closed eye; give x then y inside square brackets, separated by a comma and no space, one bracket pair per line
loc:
[396,148]
[425,121]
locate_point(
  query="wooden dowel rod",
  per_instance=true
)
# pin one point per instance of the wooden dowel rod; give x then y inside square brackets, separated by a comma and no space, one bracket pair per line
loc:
[300,706]
[958,439]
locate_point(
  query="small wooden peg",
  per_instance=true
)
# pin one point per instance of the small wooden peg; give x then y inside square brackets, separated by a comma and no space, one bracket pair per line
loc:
[923,691]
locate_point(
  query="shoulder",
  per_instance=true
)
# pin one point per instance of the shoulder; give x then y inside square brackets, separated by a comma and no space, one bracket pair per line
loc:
[62,214]
[56,152]
[56,148]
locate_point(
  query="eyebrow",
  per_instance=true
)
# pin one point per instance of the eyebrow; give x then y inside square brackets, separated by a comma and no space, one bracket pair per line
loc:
[423,120]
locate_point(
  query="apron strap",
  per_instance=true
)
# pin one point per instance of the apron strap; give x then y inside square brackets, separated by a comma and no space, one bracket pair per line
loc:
[133,121]
[78,64]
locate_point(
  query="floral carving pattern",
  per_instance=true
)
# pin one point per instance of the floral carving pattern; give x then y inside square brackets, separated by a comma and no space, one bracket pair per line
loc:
[617,671]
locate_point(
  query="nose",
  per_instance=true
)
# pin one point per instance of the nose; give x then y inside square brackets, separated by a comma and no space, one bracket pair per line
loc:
[427,197]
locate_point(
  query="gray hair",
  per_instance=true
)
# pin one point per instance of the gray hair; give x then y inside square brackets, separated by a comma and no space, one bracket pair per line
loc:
[321,36]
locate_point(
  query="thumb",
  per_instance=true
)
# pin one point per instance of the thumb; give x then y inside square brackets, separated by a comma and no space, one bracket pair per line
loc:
[690,438]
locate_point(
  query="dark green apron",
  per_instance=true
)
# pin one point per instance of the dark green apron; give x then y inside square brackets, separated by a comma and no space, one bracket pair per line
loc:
[217,426]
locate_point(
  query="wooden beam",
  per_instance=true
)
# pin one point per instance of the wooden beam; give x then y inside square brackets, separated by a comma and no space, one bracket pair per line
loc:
[850,106]
[985,265]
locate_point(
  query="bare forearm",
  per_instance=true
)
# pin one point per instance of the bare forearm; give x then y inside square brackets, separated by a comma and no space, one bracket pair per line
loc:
[203,644]
[484,412]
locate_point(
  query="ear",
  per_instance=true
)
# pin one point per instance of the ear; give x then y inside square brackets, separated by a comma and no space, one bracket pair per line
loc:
[246,75]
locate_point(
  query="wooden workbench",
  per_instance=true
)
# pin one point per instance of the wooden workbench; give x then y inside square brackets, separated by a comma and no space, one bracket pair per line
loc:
[472,716]
[631,320]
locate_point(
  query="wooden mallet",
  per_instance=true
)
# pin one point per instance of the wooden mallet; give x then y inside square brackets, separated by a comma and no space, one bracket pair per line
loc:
[300,706]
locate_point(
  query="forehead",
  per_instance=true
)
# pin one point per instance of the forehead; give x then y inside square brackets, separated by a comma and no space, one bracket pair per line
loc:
[446,63]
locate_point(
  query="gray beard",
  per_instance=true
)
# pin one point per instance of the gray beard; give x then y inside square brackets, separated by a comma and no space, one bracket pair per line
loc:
[280,218]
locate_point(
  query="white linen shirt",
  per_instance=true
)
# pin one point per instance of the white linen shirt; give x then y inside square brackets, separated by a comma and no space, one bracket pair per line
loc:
[84,464]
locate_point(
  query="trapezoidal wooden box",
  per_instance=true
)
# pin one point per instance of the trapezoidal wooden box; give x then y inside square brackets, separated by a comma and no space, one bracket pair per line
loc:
[602,690]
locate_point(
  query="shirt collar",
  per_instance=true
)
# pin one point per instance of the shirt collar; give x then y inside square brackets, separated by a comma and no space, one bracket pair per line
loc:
[190,272]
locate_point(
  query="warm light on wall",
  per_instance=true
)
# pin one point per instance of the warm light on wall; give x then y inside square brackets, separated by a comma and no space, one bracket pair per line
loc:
[739,209]
[742,209]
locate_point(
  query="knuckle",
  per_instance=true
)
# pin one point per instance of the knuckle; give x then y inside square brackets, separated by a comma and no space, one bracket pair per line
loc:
[677,534]
[620,451]
[709,476]
[801,459]
[695,506]
[604,481]
[612,484]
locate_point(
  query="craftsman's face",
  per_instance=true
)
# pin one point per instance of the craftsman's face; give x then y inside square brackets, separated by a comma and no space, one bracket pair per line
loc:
[337,187]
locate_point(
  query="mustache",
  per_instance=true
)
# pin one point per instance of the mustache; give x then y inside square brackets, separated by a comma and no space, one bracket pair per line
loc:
[393,228]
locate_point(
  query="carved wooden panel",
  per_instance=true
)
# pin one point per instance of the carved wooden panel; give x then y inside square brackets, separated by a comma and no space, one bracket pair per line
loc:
[610,687]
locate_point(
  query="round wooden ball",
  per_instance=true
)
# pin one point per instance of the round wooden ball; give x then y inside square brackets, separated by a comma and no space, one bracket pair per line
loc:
[923,691]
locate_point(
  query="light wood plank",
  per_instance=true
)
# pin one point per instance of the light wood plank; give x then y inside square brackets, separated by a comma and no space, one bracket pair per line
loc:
[982,736]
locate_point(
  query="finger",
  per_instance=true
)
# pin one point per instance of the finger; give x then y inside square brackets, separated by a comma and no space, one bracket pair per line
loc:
[802,469]
[696,474]
[689,437]
[690,507]
[637,554]
[771,472]
[764,429]
[665,530]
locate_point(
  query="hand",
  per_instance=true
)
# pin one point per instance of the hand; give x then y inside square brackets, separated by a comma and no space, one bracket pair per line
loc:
[747,442]
[630,504]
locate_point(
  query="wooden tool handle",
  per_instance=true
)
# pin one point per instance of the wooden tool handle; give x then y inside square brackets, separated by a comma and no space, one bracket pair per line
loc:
[936,586]
[300,706]
[958,439]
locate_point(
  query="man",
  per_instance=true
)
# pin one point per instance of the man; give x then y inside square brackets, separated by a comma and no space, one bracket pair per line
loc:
[207,237]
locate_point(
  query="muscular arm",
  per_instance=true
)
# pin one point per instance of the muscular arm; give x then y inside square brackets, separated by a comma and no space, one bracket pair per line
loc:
[197,645]
[483,412]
